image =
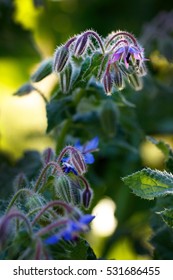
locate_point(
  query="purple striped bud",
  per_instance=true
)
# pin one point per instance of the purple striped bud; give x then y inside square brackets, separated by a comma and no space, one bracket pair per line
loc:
[87,197]
[107,82]
[61,57]
[117,77]
[81,44]
[66,78]
[77,160]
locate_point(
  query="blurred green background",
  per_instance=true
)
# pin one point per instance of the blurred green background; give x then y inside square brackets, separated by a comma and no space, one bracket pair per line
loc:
[30,32]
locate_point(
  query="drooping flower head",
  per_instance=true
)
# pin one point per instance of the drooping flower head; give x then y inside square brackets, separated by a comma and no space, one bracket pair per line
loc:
[128,54]
[126,61]
[72,230]
[85,150]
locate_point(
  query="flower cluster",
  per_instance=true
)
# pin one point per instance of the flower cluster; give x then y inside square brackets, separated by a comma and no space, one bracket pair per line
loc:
[58,218]
[122,59]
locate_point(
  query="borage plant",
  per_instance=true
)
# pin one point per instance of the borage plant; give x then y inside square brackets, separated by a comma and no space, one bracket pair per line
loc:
[46,218]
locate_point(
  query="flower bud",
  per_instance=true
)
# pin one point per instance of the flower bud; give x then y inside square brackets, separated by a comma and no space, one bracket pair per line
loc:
[34,201]
[81,45]
[62,188]
[77,160]
[107,82]
[87,197]
[66,78]
[135,81]
[75,192]
[117,77]
[60,58]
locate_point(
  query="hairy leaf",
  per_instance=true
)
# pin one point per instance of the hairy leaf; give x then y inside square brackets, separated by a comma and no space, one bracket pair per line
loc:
[149,184]
[57,111]
[167,216]
[166,150]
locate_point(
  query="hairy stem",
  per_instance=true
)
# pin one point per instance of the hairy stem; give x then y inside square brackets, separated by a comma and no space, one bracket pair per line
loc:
[118,43]
[38,251]
[53,213]
[69,42]
[64,151]
[67,207]
[11,203]
[16,214]
[50,164]
[94,34]
[122,33]
[52,226]
[85,182]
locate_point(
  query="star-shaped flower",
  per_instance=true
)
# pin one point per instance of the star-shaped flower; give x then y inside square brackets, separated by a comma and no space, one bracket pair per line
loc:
[128,53]
[85,150]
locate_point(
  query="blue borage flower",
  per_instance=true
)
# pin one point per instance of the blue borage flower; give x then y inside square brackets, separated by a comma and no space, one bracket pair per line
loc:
[67,167]
[86,150]
[72,230]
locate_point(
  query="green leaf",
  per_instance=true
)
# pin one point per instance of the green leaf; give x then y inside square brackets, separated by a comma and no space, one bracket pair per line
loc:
[82,251]
[108,118]
[44,70]
[79,78]
[149,184]
[24,90]
[167,216]
[166,150]
[95,64]
[88,69]
[79,250]
[162,243]
[57,111]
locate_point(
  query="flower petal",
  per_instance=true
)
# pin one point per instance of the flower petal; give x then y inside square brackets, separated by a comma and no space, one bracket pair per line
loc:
[67,168]
[86,219]
[78,146]
[91,145]
[52,240]
[89,158]
[115,57]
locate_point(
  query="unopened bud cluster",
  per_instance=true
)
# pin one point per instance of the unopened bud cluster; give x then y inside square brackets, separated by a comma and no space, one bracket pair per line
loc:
[122,59]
